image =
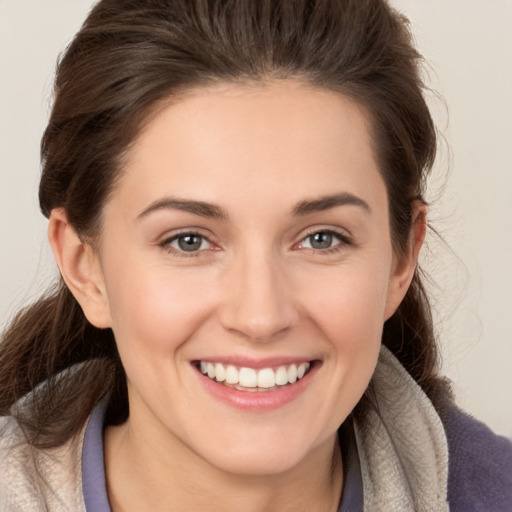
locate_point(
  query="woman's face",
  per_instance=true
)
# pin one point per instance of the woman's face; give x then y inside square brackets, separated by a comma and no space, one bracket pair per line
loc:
[248,238]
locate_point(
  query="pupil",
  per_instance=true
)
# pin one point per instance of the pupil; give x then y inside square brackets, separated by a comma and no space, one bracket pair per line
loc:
[189,242]
[321,240]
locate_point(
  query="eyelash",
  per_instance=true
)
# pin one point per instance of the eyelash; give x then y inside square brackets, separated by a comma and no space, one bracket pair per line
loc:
[166,244]
[344,241]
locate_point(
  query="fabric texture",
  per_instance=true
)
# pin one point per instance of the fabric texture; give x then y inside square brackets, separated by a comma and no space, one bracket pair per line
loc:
[480,476]
[39,480]
[404,455]
[398,463]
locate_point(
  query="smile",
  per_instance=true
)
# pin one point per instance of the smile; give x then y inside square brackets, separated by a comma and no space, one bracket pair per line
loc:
[251,379]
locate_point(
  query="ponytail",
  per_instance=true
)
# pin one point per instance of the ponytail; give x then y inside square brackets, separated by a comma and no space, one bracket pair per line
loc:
[55,367]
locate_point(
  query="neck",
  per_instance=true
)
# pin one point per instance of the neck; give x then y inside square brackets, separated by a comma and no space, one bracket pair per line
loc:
[142,476]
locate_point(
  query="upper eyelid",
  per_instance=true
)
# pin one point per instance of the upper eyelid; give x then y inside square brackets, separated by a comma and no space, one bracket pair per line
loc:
[344,243]
[167,237]
[341,233]
[166,242]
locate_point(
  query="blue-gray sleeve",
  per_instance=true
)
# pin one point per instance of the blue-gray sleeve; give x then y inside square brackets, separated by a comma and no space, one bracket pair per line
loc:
[480,466]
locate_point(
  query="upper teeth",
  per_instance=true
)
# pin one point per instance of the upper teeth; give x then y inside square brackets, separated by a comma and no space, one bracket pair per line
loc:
[251,378]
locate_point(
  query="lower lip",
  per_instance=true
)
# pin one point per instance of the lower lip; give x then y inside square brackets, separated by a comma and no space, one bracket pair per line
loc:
[258,400]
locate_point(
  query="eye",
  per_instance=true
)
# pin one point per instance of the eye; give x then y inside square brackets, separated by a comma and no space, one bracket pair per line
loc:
[187,242]
[322,240]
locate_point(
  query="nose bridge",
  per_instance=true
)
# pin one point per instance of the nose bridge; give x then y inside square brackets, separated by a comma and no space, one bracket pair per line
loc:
[259,303]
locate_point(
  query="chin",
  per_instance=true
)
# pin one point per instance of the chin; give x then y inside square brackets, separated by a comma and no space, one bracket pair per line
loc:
[264,455]
[257,463]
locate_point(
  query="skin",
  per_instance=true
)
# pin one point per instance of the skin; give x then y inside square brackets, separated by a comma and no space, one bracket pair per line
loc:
[257,287]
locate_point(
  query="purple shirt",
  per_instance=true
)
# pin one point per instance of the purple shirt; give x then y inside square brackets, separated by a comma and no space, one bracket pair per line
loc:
[94,484]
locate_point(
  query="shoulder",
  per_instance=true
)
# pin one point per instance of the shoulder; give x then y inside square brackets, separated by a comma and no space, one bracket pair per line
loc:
[38,479]
[480,465]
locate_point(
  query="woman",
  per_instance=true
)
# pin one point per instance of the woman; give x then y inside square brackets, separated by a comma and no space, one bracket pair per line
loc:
[235,202]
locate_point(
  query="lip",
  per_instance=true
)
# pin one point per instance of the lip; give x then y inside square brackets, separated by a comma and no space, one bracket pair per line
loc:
[258,400]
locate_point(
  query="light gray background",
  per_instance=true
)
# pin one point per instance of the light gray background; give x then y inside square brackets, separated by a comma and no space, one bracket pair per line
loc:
[469,46]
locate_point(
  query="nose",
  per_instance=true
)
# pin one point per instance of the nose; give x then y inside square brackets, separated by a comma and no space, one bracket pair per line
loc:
[258,302]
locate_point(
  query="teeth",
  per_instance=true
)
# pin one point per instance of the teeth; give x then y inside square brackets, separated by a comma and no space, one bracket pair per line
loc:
[220,373]
[292,373]
[281,376]
[248,378]
[265,378]
[231,375]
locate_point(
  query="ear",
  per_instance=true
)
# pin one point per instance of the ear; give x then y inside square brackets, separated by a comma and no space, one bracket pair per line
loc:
[80,268]
[405,265]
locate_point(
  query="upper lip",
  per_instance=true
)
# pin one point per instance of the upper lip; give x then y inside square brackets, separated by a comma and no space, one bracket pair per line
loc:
[256,363]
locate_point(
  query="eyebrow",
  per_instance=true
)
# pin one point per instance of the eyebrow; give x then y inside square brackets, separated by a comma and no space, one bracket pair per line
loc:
[213,211]
[328,202]
[196,207]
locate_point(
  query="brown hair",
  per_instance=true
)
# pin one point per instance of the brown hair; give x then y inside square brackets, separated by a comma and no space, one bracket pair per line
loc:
[130,56]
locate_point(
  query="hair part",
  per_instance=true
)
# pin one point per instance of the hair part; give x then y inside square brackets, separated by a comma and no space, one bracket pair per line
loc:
[126,61]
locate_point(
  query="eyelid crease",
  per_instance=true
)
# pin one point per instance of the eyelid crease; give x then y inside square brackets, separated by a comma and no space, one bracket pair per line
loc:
[165,243]
[325,228]
[167,240]
[189,230]
[344,239]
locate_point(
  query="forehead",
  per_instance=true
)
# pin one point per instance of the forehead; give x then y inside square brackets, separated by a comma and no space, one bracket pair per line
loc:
[283,139]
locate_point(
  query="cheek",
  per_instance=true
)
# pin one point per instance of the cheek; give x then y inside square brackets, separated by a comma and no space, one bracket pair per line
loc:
[155,309]
[350,316]
[351,307]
